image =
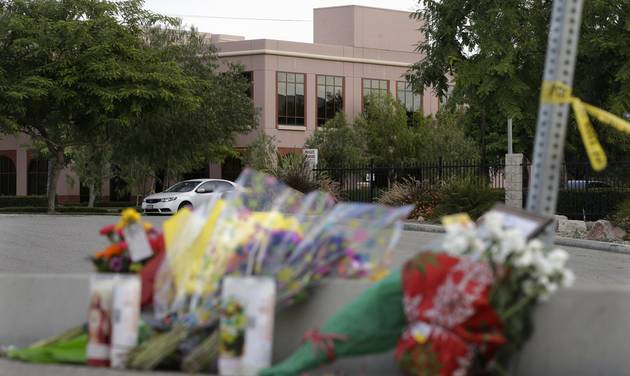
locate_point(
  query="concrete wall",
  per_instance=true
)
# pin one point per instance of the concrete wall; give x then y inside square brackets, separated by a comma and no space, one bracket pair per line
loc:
[582,331]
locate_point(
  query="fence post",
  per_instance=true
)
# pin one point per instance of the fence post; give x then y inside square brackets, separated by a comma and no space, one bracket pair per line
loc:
[372,178]
[514,180]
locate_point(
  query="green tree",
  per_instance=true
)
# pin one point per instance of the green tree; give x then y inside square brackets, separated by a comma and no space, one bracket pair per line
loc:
[388,138]
[72,71]
[338,143]
[177,138]
[93,166]
[261,154]
[443,136]
[494,52]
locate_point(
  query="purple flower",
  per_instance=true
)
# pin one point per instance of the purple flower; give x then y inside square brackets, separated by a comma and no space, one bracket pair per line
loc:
[116,264]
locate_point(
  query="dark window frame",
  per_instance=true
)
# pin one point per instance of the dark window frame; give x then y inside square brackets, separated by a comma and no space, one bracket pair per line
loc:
[294,120]
[37,177]
[249,76]
[8,176]
[319,119]
[364,94]
[408,91]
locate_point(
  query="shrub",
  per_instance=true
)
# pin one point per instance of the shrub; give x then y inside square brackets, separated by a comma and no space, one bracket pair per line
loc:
[360,194]
[621,217]
[467,196]
[590,205]
[116,204]
[444,136]
[59,209]
[261,154]
[412,192]
[294,170]
[21,201]
[338,143]
[23,209]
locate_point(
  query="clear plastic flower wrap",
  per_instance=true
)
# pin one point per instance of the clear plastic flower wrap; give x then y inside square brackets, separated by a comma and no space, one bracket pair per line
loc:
[265,228]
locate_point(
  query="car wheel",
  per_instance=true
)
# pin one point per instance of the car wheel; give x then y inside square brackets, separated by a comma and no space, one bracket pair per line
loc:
[185,204]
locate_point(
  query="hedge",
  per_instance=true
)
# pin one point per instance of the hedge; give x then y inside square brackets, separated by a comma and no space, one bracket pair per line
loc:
[59,209]
[22,201]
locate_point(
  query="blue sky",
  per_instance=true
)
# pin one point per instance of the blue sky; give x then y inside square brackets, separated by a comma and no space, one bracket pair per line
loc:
[300,30]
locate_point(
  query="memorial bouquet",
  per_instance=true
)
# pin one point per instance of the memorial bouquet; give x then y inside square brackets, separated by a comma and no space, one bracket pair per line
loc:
[263,229]
[462,308]
[117,257]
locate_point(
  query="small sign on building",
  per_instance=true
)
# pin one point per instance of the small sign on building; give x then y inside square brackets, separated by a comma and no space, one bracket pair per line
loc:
[311,156]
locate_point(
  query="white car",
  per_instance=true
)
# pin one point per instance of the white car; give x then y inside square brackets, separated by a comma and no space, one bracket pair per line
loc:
[187,193]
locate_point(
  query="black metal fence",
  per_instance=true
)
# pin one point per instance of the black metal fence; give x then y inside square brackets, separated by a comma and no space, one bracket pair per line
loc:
[583,193]
[589,195]
[365,183]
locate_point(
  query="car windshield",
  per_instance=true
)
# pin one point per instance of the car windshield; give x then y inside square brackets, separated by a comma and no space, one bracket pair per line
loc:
[184,186]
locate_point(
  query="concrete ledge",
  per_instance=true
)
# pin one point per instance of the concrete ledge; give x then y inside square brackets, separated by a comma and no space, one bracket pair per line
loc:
[583,331]
[559,240]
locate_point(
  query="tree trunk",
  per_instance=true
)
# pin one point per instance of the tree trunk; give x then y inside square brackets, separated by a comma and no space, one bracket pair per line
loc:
[93,194]
[55,164]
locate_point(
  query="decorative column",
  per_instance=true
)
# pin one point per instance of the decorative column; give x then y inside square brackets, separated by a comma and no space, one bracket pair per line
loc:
[514,180]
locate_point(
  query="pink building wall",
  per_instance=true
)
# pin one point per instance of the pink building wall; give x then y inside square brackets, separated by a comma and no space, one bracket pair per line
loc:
[352,42]
[19,145]
[369,27]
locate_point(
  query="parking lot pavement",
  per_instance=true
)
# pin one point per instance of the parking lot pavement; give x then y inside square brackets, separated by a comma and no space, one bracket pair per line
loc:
[52,243]
[62,243]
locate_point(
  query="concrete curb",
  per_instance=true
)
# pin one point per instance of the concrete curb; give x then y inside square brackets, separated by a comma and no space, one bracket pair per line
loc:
[582,331]
[568,242]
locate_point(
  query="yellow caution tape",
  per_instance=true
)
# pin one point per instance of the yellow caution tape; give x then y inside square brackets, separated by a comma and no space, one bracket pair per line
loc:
[556,92]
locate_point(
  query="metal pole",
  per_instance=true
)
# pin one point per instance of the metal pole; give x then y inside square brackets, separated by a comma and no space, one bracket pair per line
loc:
[510,151]
[552,118]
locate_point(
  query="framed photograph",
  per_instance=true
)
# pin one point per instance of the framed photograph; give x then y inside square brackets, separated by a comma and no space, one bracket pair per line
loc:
[530,224]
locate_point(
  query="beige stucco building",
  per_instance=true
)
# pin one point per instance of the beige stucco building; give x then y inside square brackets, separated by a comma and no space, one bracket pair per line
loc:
[296,86]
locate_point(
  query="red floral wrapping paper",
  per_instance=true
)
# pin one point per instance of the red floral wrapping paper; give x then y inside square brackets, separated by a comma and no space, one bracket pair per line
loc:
[450,320]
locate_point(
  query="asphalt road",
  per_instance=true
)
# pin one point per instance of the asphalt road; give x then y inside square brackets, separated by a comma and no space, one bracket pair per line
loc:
[60,244]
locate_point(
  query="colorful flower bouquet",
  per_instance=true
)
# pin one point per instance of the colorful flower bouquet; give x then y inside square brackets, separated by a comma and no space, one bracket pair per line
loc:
[117,258]
[263,229]
[464,309]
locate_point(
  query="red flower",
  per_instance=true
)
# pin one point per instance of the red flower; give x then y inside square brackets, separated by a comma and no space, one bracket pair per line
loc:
[449,315]
[107,230]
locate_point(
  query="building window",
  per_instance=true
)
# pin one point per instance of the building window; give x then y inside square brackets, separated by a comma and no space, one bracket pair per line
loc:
[37,177]
[409,99]
[249,76]
[374,87]
[291,102]
[329,98]
[7,176]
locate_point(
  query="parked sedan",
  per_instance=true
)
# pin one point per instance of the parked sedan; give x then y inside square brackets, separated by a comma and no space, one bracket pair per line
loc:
[188,193]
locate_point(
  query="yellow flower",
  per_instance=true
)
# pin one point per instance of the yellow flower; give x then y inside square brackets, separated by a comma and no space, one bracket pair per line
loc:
[129,215]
